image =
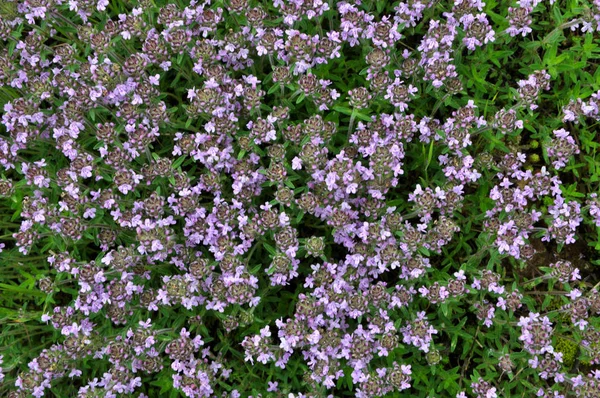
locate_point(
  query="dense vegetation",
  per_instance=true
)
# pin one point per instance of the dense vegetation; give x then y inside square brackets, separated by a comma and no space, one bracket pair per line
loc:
[296,198]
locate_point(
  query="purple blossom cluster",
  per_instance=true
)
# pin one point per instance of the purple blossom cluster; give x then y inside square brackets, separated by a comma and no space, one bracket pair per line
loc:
[561,148]
[536,331]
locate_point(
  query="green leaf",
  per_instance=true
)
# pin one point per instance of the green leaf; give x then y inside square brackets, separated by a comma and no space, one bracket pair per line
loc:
[453,342]
[21,290]
[270,248]
[179,161]
[444,308]
[362,116]
[274,88]
[558,18]
[343,109]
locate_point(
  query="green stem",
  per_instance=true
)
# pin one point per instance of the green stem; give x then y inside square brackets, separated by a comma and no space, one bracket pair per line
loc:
[438,104]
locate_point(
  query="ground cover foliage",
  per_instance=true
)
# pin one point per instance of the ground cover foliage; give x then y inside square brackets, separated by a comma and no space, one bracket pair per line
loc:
[299,198]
